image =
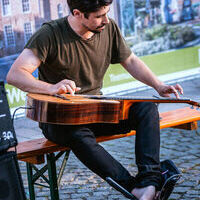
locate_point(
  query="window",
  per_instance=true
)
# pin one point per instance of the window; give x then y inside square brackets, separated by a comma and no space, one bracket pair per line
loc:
[27,31]
[25,5]
[60,11]
[9,35]
[6,8]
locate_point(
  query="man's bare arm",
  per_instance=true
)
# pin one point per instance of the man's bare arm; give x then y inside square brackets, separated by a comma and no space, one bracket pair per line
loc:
[20,75]
[139,70]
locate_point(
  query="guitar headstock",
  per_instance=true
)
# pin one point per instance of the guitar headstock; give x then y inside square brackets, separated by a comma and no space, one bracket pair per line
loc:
[194,103]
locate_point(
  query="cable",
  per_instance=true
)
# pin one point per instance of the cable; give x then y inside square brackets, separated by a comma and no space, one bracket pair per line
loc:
[13,117]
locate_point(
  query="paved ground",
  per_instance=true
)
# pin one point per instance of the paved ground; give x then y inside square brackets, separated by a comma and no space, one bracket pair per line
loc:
[78,183]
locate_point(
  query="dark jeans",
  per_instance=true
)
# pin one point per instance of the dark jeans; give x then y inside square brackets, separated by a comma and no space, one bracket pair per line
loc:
[144,118]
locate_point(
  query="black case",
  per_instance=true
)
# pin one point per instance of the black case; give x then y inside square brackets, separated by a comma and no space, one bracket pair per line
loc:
[7,133]
[11,185]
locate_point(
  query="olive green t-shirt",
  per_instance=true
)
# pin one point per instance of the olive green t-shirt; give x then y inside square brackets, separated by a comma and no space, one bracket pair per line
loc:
[65,55]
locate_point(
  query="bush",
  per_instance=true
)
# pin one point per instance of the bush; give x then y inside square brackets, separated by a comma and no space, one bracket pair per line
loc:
[155,32]
[161,38]
[173,32]
[188,34]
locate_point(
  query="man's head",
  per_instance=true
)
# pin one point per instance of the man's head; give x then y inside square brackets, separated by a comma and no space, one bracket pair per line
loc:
[91,14]
[87,6]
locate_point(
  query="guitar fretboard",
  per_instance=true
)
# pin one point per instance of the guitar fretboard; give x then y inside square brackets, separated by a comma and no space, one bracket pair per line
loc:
[135,98]
[154,99]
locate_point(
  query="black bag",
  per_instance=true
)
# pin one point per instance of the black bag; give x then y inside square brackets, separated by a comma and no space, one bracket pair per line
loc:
[7,133]
[11,185]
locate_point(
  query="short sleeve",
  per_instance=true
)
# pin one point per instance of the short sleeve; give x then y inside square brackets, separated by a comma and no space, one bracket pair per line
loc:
[41,43]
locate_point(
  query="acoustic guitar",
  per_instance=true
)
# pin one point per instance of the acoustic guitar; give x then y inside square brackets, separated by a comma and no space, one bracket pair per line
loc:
[85,109]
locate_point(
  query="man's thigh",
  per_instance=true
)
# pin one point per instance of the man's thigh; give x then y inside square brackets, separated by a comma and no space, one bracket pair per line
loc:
[102,129]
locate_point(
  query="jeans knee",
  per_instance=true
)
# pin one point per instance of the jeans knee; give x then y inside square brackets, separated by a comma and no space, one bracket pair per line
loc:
[150,107]
[82,136]
[144,110]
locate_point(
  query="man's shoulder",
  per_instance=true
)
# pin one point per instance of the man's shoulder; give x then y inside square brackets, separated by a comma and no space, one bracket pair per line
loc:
[112,25]
[112,22]
[55,27]
[55,23]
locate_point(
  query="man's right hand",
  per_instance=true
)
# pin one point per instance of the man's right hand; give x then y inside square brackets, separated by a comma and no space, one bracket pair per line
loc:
[64,86]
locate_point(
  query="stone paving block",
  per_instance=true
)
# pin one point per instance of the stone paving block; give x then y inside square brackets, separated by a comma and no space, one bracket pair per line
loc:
[175,196]
[79,196]
[94,198]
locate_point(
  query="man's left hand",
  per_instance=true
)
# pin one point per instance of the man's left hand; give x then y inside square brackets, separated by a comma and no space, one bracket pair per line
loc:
[167,90]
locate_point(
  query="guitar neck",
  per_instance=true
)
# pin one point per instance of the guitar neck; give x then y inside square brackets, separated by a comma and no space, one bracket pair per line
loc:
[145,99]
[133,99]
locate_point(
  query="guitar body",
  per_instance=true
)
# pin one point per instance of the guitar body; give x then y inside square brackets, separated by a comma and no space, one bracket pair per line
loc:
[72,111]
[86,109]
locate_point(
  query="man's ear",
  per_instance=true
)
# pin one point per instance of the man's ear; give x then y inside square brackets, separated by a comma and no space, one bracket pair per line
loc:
[77,13]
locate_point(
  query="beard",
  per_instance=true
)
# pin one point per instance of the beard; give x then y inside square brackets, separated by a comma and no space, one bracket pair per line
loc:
[96,30]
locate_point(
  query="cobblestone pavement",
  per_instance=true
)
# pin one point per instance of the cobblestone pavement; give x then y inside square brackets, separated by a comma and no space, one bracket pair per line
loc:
[79,183]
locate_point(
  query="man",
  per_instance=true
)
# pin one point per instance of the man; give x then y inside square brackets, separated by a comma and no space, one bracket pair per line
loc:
[72,55]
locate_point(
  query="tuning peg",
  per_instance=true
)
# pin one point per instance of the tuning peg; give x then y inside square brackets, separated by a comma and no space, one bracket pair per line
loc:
[192,107]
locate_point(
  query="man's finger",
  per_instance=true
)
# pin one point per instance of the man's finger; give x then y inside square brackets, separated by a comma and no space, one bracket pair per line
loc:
[70,90]
[77,89]
[71,84]
[173,90]
[62,89]
[179,88]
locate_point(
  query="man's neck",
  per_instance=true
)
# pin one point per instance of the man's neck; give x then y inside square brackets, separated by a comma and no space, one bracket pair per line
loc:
[79,29]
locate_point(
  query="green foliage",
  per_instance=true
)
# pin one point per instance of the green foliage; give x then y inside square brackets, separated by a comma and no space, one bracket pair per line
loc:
[173,32]
[155,32]
[139,4]
[188,34]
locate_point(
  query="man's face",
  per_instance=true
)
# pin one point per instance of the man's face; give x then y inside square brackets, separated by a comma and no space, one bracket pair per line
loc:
[96,21]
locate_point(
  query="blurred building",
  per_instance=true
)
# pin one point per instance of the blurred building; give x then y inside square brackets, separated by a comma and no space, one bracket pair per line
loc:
[175,11]
[19,19]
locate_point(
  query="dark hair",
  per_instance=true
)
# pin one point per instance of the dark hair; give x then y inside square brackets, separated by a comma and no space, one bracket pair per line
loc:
[87,6]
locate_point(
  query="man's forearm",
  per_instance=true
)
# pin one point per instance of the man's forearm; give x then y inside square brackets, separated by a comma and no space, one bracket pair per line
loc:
[138,69]
[27,82]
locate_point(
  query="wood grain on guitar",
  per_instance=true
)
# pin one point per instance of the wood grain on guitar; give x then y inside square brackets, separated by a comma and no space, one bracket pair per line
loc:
[86,109]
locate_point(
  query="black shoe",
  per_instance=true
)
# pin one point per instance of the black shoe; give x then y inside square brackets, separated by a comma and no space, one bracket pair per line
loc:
[171,175]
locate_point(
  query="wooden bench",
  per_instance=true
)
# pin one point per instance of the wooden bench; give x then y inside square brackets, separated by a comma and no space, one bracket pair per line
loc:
[33,152]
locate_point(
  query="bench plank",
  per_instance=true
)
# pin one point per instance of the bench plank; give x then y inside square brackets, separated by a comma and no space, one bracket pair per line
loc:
[38,159]
[178,117]
[37,147]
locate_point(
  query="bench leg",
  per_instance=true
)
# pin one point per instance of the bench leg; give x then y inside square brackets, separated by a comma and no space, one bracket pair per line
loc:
[30,181]
[63,165]
[52,181]
[51,163]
